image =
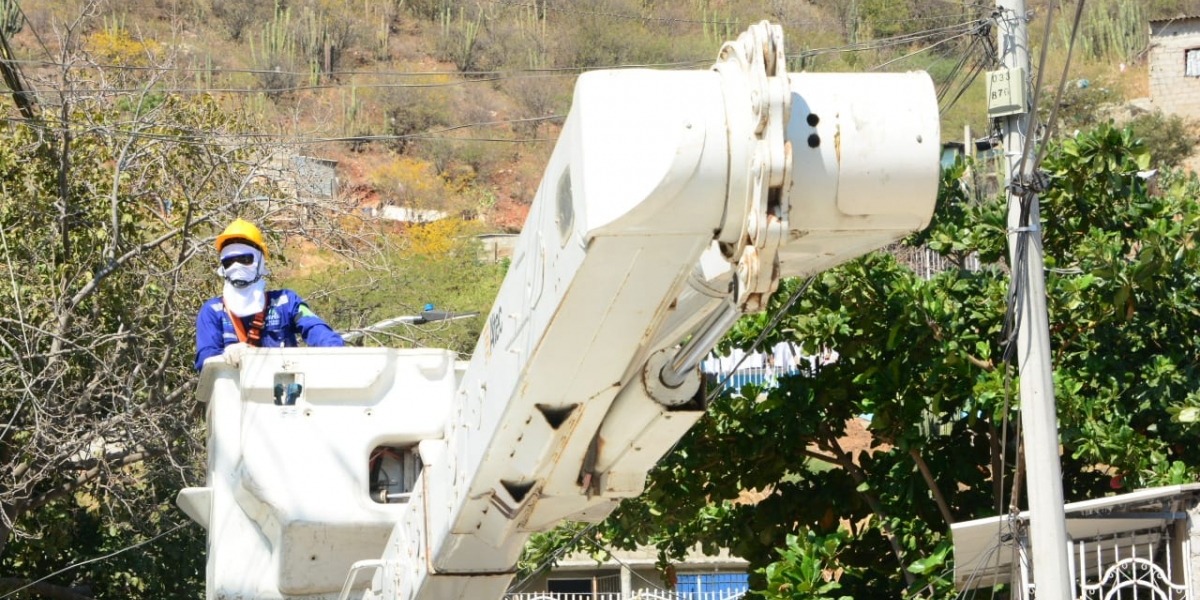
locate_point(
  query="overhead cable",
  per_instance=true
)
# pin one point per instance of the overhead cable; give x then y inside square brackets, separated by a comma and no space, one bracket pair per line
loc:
[199,137]
[730,21]
[96,559]
[486,75]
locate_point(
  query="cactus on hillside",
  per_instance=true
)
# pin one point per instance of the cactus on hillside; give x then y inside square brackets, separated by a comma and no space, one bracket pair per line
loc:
[12,20]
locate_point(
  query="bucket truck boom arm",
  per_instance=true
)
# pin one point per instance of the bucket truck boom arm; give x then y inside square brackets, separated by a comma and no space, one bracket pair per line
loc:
[673,203]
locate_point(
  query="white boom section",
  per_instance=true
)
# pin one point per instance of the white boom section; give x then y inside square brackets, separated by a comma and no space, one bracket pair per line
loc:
[673,203]
[562,410]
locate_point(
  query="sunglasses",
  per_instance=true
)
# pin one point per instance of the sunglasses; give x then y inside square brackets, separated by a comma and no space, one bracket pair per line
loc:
[245,259]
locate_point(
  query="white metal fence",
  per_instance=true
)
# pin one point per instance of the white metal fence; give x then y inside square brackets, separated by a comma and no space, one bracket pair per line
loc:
[766,377]
[927,263]
[644,594]
[1151,566]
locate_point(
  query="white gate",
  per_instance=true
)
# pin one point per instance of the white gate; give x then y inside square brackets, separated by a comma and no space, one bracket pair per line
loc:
[1146,564]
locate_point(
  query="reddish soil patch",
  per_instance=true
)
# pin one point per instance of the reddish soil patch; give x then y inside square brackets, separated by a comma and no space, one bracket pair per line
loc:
[508,215]
[858,438]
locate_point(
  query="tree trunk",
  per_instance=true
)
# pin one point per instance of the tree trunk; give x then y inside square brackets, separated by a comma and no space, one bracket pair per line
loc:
[1014,502]
[933,486]
[997,456]
[847,463]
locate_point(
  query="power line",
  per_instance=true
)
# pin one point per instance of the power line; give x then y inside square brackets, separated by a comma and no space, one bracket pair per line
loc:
[980,54]
[488,75]
[724,22]
[549,560]
[29,24]
[984,7]
[956,70]
[208,138]
[948,34]
[900,40]
[921,50]
[762,335]
[97,559]
[438,134]
[1062,84]
[613,15]
[976,68]
[617,560]
[474,75]
[290,89]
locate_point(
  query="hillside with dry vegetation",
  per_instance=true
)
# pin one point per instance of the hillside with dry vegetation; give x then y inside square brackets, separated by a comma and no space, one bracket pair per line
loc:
[453,105]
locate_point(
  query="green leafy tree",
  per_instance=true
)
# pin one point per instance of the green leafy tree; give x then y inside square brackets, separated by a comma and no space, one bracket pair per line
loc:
[806,568]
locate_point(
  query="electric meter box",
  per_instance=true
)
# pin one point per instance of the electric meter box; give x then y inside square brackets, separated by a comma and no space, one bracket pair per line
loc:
[1006,92]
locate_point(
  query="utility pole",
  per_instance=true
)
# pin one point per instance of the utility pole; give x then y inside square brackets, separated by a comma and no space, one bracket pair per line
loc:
[1007,98]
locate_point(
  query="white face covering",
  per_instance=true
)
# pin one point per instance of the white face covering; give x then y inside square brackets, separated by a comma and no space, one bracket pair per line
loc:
[245,290]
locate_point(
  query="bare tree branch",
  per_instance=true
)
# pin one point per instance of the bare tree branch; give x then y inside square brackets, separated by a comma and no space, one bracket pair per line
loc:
[84,478]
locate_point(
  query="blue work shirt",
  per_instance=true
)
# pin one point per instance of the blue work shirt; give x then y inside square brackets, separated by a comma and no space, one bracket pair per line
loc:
[287,316]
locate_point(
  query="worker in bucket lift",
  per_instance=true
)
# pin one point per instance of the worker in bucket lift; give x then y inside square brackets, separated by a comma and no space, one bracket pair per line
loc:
[246,314]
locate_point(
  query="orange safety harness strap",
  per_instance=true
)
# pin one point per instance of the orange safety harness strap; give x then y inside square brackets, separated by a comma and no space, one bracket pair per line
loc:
[253,336]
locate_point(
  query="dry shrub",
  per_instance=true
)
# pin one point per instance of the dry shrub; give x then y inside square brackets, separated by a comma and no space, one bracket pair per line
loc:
[516,39]
[412,183]
[326,29]
[414,107]
[240,16]
[537,96]
[439,238]
[114,46]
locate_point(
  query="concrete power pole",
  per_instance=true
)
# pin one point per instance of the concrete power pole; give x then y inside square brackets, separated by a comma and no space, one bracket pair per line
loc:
[1007,97]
